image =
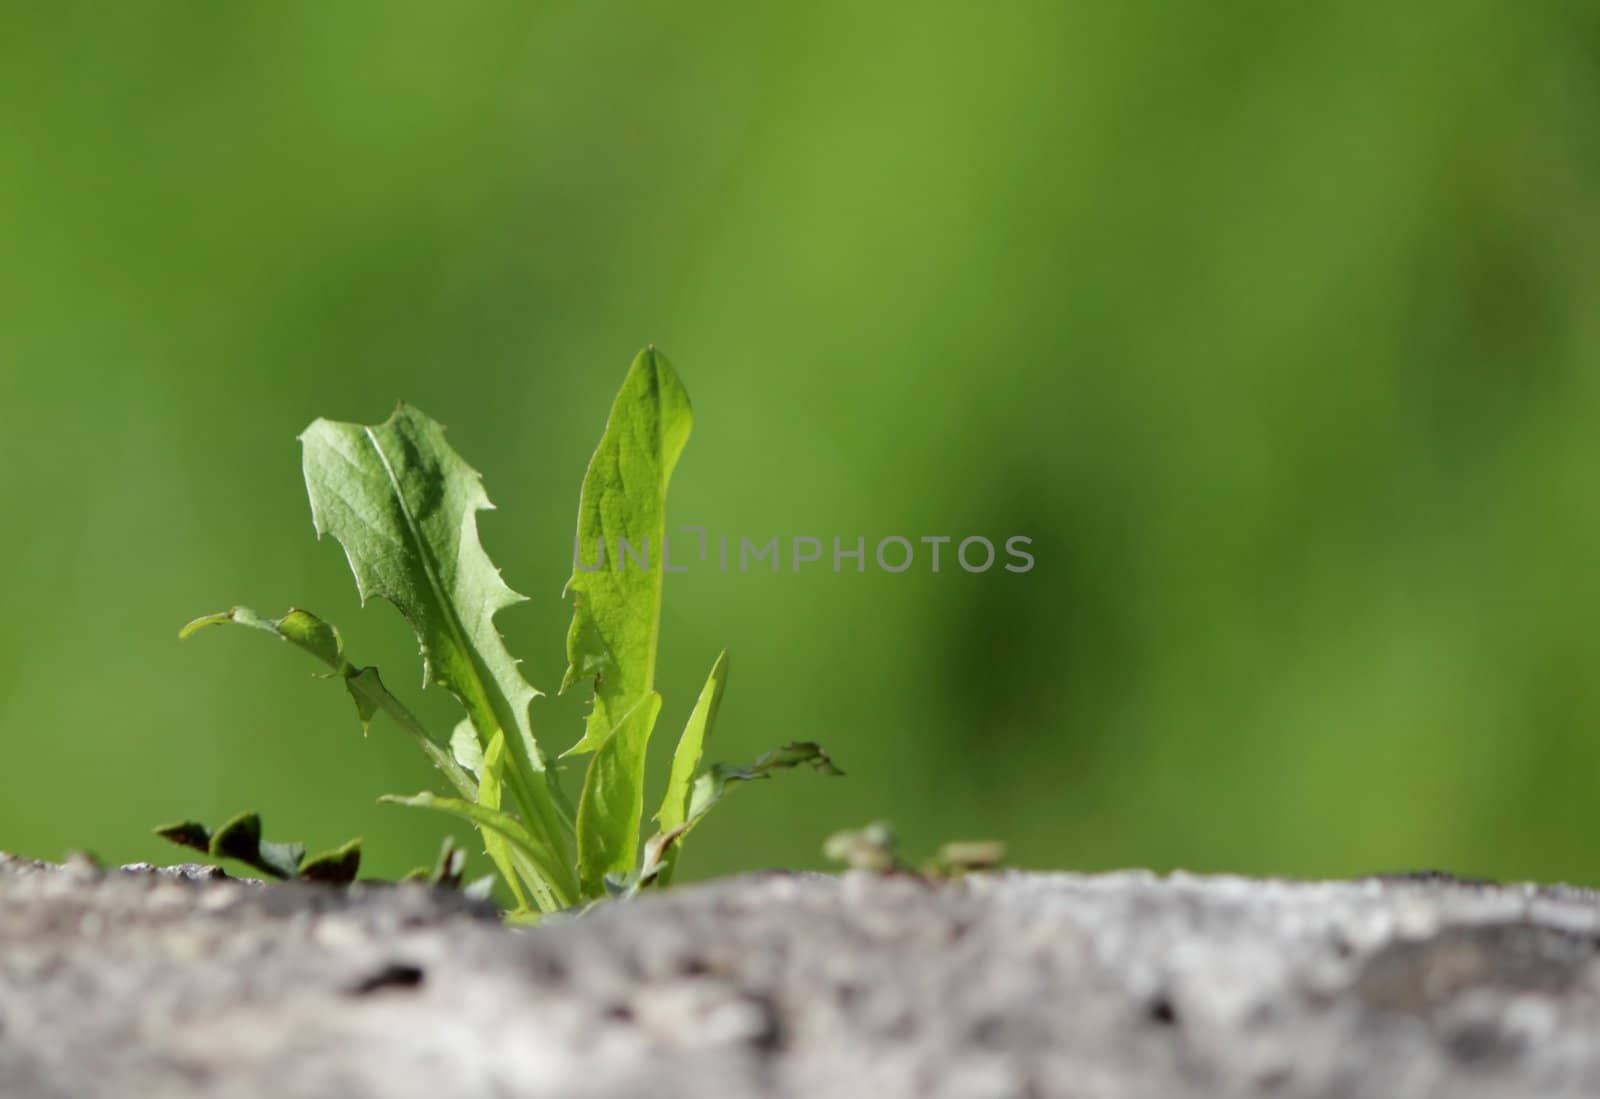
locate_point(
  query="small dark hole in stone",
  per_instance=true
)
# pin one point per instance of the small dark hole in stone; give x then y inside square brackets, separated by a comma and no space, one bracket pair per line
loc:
[1481,1044]
[901,1027]
[1275,1079]
[622,1013]
[771,1036]
[633,966]
[694,966]
[393,975]
[1163,1011]
[550,968]
[987,1031]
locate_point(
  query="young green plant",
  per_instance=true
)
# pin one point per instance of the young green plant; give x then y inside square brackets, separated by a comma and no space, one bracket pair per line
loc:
[403,504]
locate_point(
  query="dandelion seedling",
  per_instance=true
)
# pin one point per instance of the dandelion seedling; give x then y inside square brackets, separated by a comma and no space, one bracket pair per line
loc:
[404,506]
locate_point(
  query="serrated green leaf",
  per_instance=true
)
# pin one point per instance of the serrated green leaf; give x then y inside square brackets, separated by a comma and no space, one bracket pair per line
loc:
[321,639]
[241,839]
[613,795]
[686,760]
[404,506]
[336,867]
[712,785]
[616,615]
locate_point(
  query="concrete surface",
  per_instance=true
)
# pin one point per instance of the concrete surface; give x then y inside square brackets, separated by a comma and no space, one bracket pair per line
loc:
[139,983]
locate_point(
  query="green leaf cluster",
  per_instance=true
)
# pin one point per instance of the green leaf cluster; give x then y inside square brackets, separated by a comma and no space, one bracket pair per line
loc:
[240,839]
[403,504]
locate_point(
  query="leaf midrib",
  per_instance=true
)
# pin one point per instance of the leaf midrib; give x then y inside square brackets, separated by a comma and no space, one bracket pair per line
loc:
[429,570]
[487,687]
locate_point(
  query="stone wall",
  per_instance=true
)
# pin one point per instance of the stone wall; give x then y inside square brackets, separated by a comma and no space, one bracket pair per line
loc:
[184,983]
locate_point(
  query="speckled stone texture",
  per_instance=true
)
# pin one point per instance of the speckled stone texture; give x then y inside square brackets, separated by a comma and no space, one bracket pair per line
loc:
[183,983]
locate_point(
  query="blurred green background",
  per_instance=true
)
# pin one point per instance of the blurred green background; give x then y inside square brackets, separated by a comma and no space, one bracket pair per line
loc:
[1275,327]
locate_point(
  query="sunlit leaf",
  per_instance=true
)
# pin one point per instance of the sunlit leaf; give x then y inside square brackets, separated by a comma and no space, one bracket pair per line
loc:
[404,506]
[686,760]
[613,797]
[465,749]
[491,768]
[617,606]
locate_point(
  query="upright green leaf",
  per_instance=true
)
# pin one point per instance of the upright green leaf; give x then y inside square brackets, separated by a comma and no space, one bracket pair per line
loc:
[490,769]
[613,796]
[686,759]
[618,579]
[404,506]
[617,585]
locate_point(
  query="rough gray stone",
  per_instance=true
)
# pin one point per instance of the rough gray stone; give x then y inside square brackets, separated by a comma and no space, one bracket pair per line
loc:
[186,983]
